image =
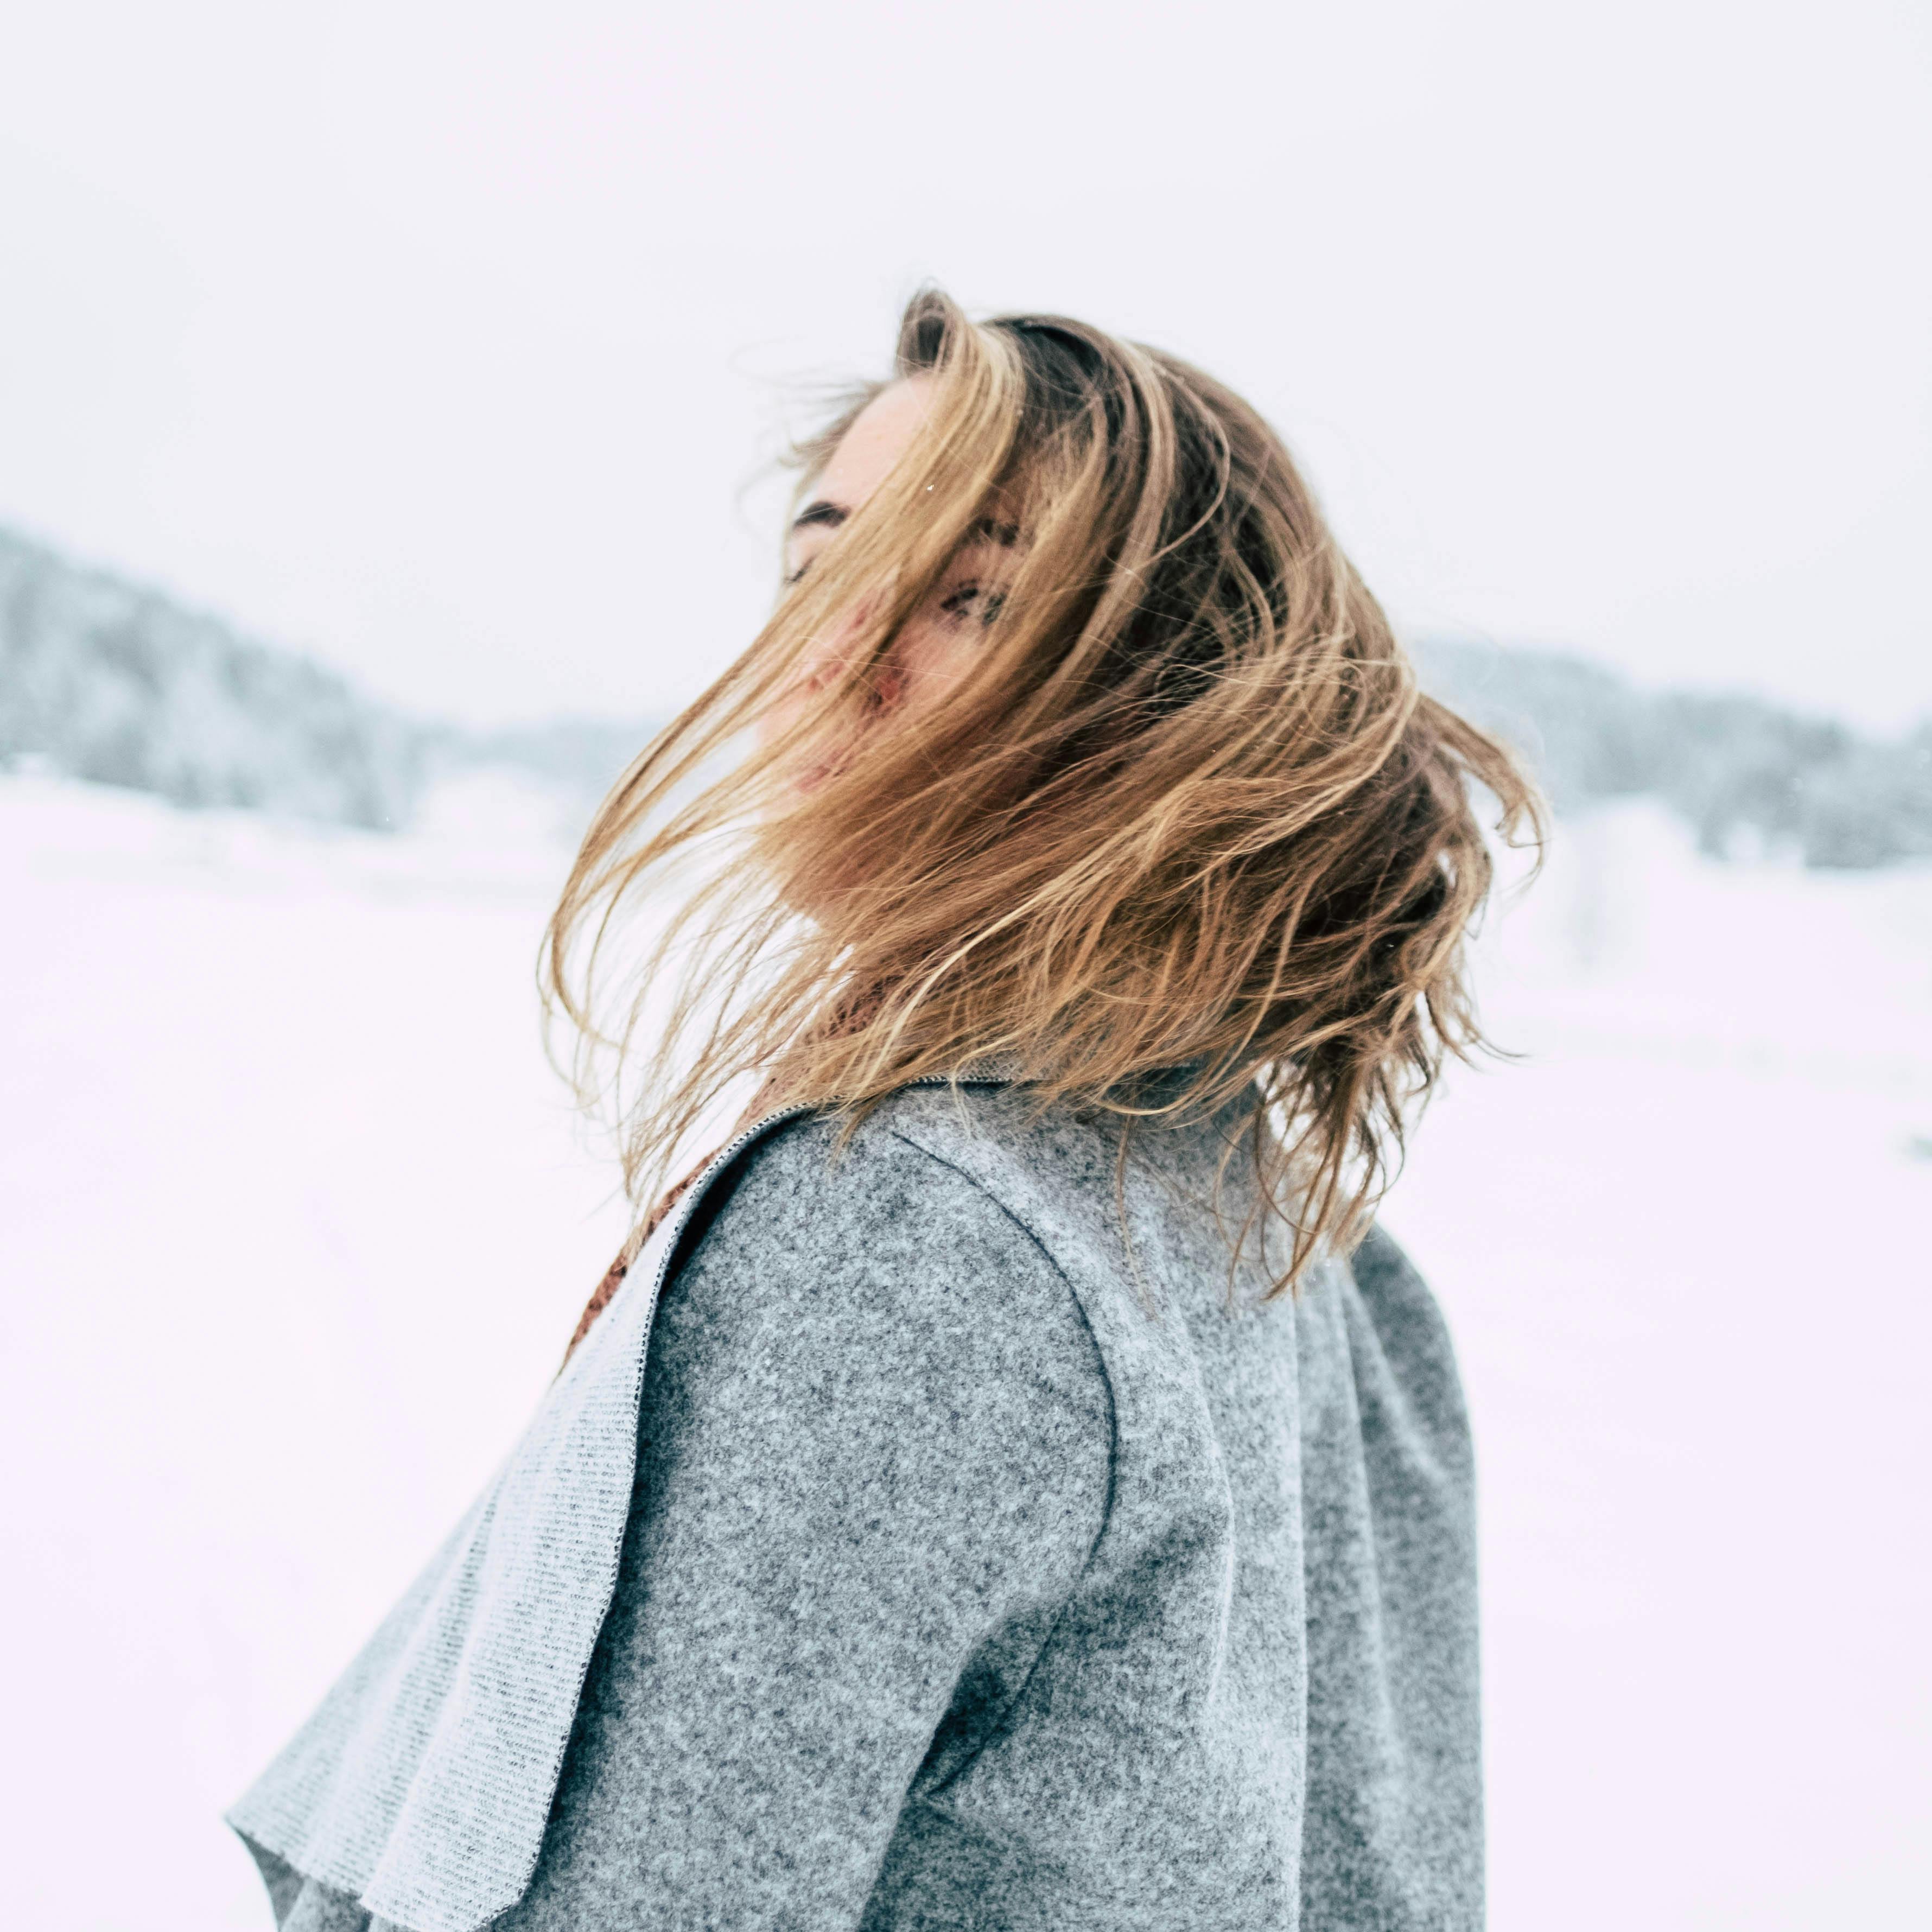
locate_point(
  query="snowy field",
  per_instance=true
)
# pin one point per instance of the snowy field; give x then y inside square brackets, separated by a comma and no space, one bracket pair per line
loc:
[297,1221]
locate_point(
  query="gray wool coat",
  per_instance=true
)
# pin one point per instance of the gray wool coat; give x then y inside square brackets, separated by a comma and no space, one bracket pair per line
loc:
[916,1541]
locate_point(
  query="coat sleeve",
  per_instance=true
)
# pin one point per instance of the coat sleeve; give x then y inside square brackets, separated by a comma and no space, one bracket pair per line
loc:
[875,1431]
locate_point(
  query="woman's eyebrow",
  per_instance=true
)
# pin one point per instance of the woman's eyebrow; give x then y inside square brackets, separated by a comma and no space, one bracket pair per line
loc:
[823,512]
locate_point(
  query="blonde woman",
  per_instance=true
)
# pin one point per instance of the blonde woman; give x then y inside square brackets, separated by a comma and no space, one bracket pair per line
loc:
[1011,1482]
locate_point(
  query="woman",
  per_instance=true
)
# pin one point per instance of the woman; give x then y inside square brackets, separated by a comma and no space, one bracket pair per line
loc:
[1044,1498]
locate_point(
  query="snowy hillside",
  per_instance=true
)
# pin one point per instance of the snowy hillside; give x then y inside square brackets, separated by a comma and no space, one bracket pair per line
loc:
[297,1223]
[1744,776]
[102,680]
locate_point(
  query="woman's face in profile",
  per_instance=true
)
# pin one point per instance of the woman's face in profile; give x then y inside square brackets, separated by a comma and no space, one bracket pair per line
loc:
[934,648]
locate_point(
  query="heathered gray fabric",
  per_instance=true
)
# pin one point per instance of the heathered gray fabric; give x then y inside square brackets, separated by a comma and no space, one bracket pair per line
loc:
[954,1591]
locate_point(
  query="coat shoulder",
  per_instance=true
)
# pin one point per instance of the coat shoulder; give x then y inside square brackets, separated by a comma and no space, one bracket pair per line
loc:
[892,1213]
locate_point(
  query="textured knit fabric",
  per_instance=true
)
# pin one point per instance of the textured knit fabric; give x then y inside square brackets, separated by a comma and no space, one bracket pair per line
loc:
[953,1588]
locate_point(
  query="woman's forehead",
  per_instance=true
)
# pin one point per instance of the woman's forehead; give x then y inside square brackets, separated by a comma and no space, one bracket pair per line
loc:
[877,438]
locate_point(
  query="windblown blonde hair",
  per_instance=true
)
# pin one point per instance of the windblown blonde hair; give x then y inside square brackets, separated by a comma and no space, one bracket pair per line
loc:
[1186,808]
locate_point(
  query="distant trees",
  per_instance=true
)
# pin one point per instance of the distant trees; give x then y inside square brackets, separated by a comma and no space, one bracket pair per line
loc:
[1745,775]
[105,681]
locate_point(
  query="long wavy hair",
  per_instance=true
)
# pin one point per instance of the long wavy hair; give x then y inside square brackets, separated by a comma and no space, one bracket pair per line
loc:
[1186,809]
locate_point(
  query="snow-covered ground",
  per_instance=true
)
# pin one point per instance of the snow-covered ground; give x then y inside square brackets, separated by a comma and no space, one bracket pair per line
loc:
[295,1221]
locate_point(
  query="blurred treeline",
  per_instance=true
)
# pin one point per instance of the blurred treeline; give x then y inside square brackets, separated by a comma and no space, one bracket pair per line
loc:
[1748,777]
[101,679]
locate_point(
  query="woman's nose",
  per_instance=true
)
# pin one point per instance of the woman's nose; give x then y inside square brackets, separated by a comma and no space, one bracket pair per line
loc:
[831,652]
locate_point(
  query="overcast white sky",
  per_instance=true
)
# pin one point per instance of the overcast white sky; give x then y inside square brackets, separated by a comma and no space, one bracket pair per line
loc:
[440,341]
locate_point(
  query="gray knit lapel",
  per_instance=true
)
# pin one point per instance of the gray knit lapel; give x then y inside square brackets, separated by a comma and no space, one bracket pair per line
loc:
[422,1783]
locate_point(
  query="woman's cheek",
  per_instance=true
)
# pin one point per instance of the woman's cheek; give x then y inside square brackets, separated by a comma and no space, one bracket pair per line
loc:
[928,659]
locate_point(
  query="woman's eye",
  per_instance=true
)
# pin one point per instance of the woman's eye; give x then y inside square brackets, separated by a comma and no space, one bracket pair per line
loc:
[970,600]
[798,573]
